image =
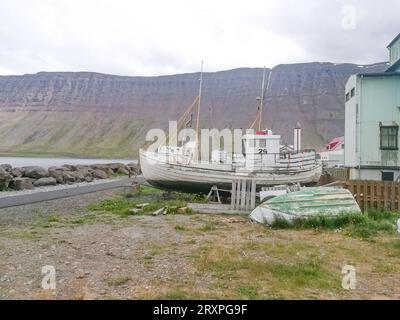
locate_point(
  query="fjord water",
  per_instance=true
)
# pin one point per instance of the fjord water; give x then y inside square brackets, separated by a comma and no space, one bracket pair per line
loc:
[50,162]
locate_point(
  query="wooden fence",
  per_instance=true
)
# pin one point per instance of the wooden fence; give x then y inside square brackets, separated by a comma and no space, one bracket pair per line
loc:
[375,194]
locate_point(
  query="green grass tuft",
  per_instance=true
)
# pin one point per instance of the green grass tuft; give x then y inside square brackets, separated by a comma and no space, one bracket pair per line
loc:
[366,225]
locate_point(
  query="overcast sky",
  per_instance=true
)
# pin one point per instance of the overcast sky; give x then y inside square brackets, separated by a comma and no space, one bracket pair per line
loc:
[154,37]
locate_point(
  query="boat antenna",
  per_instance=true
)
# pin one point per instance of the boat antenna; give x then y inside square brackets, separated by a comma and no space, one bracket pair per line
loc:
[198,113]
[261,100]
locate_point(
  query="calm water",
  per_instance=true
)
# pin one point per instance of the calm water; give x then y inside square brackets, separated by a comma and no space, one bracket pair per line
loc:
[49,162]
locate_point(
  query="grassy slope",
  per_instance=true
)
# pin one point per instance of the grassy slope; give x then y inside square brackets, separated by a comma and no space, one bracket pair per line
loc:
[72,134]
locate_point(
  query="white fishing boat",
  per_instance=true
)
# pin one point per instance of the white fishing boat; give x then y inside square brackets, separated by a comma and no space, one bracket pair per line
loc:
[263,160]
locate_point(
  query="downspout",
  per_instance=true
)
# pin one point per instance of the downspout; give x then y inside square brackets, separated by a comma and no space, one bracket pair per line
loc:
[359,128]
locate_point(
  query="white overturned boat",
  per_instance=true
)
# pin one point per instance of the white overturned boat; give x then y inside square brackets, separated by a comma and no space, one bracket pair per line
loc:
[264,161]
[306,203]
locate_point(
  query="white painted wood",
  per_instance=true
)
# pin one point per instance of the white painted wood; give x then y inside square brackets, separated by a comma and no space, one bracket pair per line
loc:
[156,170]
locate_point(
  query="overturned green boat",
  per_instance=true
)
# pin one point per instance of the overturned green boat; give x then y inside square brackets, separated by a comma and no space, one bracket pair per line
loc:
[308,202]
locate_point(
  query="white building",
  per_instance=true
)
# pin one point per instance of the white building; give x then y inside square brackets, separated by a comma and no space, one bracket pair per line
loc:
[372,118]
[333,155]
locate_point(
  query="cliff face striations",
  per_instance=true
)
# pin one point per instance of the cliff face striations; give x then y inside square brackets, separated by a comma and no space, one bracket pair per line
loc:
[94,114]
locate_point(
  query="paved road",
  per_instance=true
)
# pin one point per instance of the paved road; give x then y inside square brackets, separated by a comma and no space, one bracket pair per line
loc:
[22,199]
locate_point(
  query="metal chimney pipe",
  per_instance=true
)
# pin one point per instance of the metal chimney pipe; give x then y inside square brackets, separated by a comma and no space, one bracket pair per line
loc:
[297,138]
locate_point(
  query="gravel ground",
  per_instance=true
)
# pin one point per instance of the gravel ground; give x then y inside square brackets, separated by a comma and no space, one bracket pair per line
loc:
[99,255]
[5,194]
[31,212]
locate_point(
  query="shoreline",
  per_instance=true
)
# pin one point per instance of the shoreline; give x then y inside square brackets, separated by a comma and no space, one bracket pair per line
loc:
[61,156]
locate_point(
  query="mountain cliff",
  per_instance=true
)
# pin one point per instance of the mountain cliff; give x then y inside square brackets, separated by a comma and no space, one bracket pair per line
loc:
[92,114]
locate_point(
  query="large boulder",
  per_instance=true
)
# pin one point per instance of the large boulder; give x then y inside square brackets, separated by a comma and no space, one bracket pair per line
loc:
[79,176]
[89,178]
[17,172]
[69,177]
[103,167]
[36,172]
[58,174]
[99,174]
[6,167]
[115,166]
[70,167]
[123,170]
[134,168]
[21,184]
[86,173]
[44,182]
[5,179]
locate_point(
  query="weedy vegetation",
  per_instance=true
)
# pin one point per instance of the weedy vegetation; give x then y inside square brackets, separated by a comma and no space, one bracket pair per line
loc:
[366,225]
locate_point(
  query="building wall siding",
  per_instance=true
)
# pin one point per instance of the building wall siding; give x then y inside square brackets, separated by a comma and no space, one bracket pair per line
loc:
[350,154]
[395,52]
[379,103]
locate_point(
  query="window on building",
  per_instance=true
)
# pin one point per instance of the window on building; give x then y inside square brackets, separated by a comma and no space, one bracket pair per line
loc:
[353,92]
[347,96]
[389,137]
[387,176]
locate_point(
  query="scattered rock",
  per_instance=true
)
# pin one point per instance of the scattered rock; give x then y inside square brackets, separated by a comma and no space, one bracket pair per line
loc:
[123,170]
[17,172]
[35,172]
[57,173]
[6,167]
[44,182]
[21,184]
[99,174]
[69,177]
[5,179]
[89,178]
[79,177]
[183,210]
[159,211]
[103,167]
[70,167]
[116,166]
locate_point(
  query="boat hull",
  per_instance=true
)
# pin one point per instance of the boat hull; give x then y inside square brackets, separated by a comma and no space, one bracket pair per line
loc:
[200,179]
[307,203]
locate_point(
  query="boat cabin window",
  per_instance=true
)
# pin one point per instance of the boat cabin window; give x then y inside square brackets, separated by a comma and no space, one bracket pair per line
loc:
[387,176]
[263,143]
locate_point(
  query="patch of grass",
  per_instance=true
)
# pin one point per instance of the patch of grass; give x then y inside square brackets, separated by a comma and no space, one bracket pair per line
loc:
[116,205]
[255,273]
[117,281]
[366,225]
[384,267]
[147,190]
[248,291]
[300,274]
[319,222]
[393,246]
[12,233]
[176,294]
[59,221]
[53,218]
[180,227]
[208,226]
[121,206]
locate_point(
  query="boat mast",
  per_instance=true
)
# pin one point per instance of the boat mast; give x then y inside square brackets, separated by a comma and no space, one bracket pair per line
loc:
[198,113]
[261,100]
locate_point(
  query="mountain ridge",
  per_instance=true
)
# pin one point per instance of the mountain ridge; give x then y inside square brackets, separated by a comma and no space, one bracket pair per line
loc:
[95,114]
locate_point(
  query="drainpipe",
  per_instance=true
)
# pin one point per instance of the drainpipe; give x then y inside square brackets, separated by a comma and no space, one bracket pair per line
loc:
[359,129]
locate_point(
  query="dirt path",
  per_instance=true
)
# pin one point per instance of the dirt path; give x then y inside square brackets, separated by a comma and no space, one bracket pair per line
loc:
[99,255]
